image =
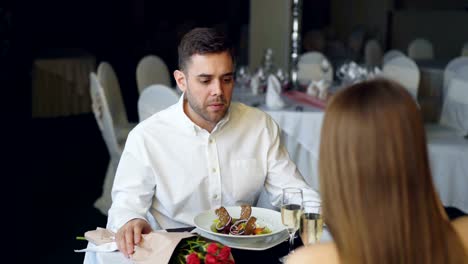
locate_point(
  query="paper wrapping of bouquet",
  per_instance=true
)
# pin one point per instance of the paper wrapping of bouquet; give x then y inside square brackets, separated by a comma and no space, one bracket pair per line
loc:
[304,98]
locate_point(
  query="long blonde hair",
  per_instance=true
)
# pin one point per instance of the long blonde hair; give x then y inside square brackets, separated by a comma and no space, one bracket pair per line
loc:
[379,201]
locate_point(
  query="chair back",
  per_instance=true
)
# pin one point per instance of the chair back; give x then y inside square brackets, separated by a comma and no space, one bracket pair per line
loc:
[155,98]
[314,66]
[110,84]
[392,54]
[373,53]
[455,109]
[464,51]
[450,70]
[103,116]
[404,71]
[420,49]
[151,70]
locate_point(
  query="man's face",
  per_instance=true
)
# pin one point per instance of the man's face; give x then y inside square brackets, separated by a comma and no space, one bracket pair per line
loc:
[207,82]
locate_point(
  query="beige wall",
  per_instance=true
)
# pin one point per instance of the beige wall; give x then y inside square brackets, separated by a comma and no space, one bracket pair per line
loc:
[269,28]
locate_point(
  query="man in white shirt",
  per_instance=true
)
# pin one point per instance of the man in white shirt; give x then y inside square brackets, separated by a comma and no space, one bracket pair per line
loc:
[201,153]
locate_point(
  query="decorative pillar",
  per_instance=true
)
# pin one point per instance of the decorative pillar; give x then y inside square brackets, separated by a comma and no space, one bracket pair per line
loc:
[296,15]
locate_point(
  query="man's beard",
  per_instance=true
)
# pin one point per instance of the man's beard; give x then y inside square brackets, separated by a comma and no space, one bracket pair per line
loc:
[201,110]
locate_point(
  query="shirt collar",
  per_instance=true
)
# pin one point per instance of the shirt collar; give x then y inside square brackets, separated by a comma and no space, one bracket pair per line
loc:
[189,124]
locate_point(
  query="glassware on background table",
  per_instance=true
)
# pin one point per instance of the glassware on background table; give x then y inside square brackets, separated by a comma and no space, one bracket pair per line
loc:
[325,67]
[291,209]
[311,227]
[243,77]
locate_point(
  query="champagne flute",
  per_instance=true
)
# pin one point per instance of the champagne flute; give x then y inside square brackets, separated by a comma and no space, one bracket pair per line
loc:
[291,209]
[311,223]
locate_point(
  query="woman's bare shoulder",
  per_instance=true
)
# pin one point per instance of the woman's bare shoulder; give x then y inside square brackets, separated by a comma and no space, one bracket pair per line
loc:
[461,227]
[321,253]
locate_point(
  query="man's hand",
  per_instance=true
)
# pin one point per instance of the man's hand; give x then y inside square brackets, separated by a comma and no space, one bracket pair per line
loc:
[129,235]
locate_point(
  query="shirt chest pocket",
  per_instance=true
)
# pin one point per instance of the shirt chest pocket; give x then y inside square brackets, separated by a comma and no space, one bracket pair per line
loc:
[248,179]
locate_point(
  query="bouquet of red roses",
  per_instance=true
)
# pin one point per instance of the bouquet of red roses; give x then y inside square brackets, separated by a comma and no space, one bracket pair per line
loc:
[196,250]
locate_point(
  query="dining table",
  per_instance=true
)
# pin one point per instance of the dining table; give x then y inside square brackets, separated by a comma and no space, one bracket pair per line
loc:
[270,255]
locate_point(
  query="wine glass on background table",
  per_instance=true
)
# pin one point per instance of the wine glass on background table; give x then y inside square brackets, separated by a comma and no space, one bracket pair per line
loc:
[311,227]
[243,77]
[291,210]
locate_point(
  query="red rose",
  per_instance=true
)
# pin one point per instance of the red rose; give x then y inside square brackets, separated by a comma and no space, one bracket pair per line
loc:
[210,259]
[193,259]
[212,248]
[224,253]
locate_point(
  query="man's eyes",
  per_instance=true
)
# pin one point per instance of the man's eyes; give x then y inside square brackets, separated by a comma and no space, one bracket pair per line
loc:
[225,80]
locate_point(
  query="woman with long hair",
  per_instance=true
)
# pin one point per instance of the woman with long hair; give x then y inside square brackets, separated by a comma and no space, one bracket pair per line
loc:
[379,201]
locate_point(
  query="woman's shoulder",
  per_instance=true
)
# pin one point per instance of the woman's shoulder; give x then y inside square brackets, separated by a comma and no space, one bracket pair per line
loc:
[461,227]
[325,253]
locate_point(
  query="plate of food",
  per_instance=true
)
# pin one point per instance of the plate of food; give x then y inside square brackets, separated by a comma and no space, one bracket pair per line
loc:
[242,226]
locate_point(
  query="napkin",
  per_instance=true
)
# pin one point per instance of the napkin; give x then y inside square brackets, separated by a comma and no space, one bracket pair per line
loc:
[317,89]
[273,94]
[155,247]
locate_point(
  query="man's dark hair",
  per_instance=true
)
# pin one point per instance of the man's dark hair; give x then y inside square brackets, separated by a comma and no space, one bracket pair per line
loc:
[202,41]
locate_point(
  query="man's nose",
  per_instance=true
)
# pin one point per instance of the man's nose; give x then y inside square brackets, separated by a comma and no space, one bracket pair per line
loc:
[217,88]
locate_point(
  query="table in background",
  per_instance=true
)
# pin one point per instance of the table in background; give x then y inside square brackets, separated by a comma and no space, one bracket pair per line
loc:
[61,83]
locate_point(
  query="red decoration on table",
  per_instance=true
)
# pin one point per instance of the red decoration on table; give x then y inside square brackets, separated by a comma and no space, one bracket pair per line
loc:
[197,250]
[304,98]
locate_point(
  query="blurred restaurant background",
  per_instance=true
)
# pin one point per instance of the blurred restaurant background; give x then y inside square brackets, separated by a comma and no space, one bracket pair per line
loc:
[55,45]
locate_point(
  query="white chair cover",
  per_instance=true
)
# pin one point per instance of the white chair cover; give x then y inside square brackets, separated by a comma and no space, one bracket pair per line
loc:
[404,71]
[450,70]
[104,120]
[310,68]
[110,84]
[152,70]
[455,108]
[464,51]
[155,98]
[420,49]
[448,150]
[373,53]
[392,54]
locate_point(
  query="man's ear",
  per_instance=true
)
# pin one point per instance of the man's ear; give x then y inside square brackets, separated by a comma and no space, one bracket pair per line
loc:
[180,79]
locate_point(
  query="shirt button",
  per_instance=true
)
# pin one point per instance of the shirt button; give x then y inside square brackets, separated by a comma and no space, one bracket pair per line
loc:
[215,196]
[211,141]
[213,170]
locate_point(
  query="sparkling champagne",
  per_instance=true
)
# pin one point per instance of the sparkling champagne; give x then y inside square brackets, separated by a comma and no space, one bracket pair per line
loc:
[291,216]
[311,228]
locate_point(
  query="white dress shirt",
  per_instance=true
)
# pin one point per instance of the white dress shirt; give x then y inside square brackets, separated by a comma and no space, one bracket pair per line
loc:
[175,169]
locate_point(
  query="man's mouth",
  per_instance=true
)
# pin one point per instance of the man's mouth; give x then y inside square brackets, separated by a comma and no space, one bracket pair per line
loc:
[216,106]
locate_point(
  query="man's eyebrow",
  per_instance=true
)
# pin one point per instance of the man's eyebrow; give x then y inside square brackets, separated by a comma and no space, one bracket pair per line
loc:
[228,74]
[204,75]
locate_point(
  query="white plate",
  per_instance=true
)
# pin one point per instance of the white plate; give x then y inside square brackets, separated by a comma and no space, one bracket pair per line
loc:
[264,244]
[265,217]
